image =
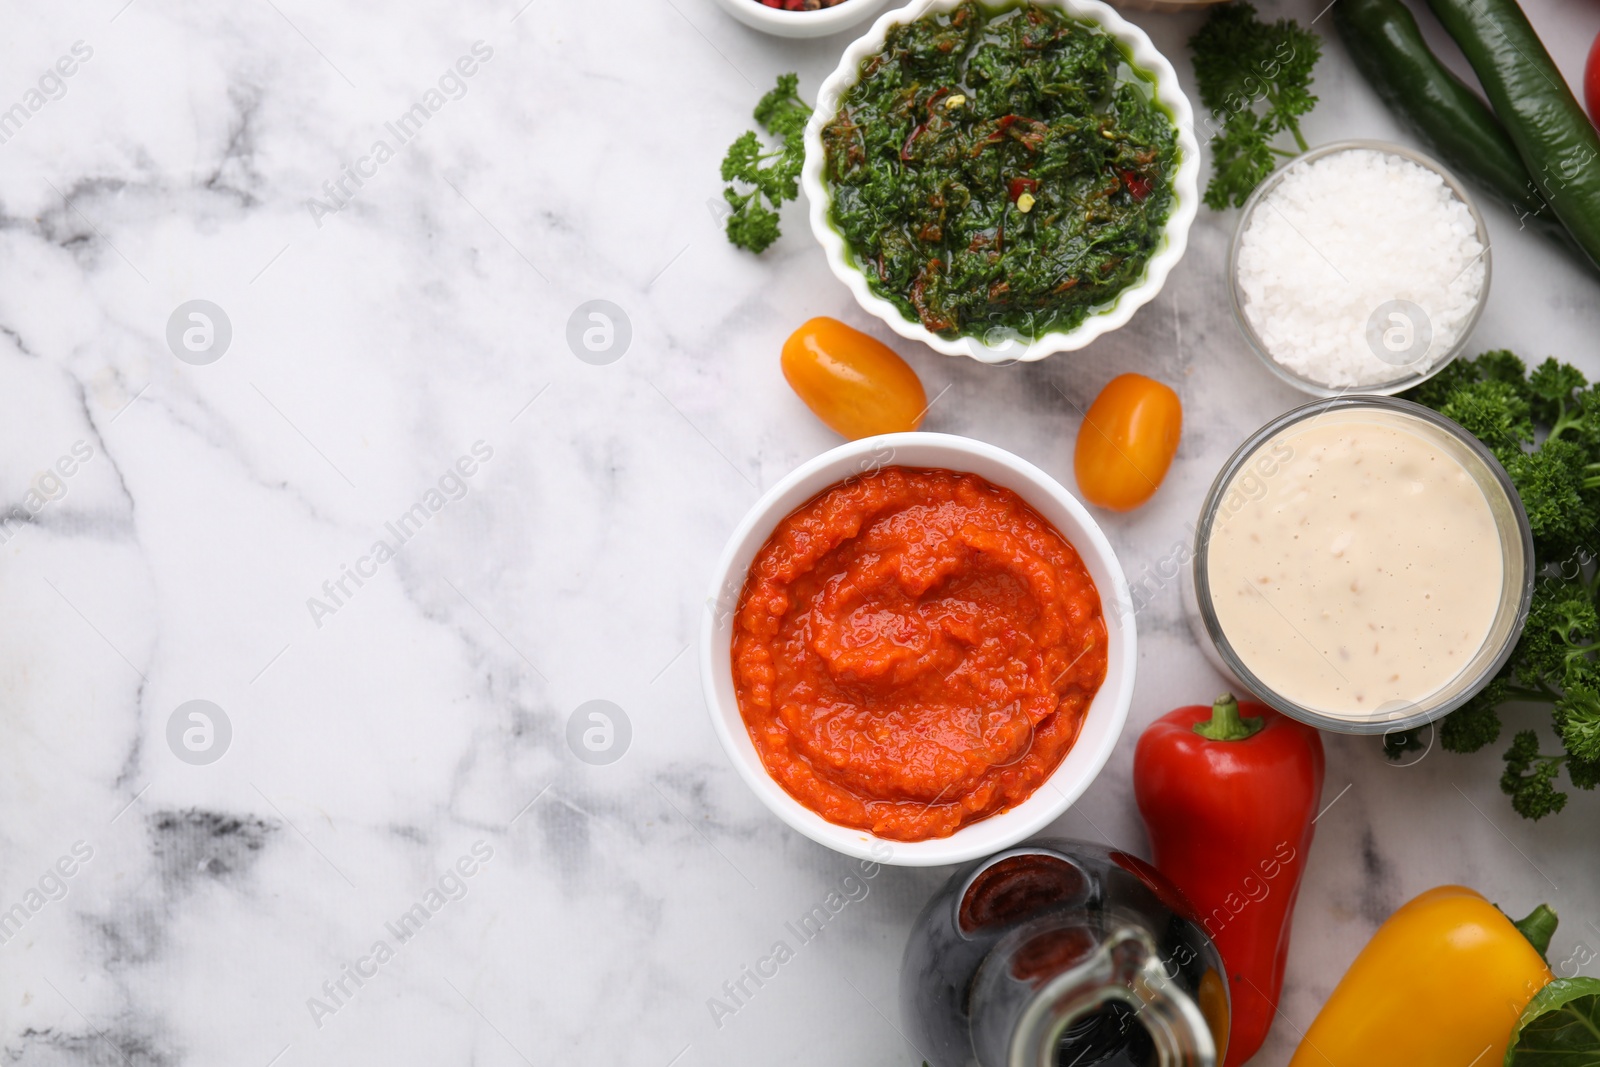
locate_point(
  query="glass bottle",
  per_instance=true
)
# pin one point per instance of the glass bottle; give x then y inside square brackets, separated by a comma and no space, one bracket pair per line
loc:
[1062,954]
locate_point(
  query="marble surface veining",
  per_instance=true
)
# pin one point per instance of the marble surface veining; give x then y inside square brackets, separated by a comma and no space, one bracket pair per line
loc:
[392,723]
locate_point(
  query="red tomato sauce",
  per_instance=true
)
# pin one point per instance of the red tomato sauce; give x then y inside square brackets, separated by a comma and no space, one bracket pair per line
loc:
[915,650]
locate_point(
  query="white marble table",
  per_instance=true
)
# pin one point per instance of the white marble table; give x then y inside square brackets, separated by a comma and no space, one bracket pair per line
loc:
[402,739]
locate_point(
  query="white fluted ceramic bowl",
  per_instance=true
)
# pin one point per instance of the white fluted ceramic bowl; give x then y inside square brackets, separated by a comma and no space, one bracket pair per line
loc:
[818,23]
[1006,349]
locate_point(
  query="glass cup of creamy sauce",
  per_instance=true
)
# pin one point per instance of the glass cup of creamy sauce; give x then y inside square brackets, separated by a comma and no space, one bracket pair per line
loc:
[1362,564]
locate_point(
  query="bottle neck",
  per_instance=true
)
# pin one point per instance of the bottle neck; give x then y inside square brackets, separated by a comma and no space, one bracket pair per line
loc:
[1101,1003]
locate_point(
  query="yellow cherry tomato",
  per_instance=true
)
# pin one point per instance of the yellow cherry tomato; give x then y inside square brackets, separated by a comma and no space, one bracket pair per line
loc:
[1127,442]
[853,383]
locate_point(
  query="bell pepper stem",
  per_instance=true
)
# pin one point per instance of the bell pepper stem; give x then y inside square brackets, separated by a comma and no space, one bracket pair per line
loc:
[1539,927]
[1226,724]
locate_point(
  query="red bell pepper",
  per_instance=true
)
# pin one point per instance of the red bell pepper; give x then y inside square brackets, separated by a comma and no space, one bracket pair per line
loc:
[1591,81]
[1228,794]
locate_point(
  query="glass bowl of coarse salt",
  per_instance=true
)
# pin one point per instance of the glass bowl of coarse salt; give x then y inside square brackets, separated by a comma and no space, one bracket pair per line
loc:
[1359,267]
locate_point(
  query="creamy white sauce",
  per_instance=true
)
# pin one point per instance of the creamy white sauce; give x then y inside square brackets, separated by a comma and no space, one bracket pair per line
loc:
[1355,564]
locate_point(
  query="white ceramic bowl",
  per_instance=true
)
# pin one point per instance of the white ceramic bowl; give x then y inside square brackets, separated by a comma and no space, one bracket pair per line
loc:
[1007,348]
[1107,713]
[818,23]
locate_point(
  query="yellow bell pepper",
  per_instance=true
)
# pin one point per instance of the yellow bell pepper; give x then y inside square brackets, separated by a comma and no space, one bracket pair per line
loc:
[1441,984]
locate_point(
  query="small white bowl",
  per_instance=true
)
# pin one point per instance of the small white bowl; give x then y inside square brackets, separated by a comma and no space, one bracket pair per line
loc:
[1005,346]
[1102,724]
[818,23]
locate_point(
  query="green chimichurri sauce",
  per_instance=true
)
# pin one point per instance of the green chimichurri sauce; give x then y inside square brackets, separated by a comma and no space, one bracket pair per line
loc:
[1000,168]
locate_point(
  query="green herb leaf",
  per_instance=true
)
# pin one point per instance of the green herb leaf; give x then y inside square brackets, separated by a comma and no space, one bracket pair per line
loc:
[1577,719]
[1497,366]
[1561,625]
[1255,82]
[1552,483]
[752,226]
[1529,778]
[1585,774]
[1396,745]
[1476,723]
[781,106]
[1494,412]
[771,175]
[1553,385]
[743,158]
[1240,160]
[1560,1027]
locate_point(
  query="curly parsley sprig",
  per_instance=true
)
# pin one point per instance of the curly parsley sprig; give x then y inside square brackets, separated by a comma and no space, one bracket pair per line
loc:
[1255,81]
[770,175]
[1544,426]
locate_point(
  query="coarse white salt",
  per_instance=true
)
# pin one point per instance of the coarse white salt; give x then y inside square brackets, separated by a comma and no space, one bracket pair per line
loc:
[1360,268]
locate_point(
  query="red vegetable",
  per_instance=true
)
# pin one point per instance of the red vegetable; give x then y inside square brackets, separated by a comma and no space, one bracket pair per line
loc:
[1228,795]
[1591,82]
[911,139]
[997,135]
[1018,186]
